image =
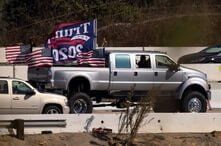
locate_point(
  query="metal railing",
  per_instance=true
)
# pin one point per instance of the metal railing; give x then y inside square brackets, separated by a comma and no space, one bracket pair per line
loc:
[20,124]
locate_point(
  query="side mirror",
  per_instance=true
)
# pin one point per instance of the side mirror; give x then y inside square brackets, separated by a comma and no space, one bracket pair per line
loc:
[30,92]
[174,67]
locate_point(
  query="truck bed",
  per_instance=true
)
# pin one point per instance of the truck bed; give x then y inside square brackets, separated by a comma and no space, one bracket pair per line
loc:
[62,75]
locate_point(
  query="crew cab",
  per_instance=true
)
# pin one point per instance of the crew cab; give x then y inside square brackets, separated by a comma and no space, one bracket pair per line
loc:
[125,71]
[19,97]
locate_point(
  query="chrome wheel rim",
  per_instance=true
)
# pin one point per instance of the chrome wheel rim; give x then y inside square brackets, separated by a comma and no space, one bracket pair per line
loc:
[80,106]
[194,105]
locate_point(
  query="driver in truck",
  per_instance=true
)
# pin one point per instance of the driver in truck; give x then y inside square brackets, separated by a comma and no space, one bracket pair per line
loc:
[144,62]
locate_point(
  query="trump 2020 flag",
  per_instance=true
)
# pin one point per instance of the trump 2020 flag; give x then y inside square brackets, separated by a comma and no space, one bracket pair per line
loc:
[69,39]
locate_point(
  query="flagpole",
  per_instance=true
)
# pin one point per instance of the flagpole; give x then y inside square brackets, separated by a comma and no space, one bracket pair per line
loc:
[13,70]
[95,32]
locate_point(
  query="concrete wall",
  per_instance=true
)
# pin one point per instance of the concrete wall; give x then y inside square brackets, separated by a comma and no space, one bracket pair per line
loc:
[20,71]
[153,123]
[2,55]
[213,71]
[173,52]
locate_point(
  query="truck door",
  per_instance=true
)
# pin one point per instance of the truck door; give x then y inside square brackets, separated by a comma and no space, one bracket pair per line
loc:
[166,79]
[121,74]
[143,73]
[5,98]
[21,101]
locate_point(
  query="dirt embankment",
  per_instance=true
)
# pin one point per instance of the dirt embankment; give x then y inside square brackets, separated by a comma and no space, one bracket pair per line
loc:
[86,139]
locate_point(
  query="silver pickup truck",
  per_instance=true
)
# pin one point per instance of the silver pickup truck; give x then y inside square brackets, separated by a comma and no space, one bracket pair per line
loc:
[126,71]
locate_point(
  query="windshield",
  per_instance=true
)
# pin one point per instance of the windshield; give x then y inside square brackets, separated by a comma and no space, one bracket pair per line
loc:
[212,50]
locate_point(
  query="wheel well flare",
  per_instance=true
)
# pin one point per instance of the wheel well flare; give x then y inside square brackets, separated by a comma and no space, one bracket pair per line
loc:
[195,87]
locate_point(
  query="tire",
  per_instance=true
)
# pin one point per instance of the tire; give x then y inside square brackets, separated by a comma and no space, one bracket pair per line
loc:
[80,103]
[194,101]
[52,109]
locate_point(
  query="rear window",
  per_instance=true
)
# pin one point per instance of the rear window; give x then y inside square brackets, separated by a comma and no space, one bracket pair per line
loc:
[122,61]
[3,87]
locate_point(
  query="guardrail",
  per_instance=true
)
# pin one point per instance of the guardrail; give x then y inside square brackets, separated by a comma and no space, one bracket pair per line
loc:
[153,123]
[20,124]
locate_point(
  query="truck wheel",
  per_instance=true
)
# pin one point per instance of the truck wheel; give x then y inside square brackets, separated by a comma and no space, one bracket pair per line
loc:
[194,102]
[80,103]
[52,109]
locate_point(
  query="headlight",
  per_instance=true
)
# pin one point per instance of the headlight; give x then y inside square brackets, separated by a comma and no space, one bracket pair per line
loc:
[206,76]
[66,101]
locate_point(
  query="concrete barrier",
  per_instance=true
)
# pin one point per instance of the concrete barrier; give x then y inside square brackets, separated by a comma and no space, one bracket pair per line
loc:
[20,71]
[153,123]
[7,71]
[173,52]
[2,54]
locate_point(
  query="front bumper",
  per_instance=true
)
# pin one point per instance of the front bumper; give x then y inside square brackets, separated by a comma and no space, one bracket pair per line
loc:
[209,95]
[66,110]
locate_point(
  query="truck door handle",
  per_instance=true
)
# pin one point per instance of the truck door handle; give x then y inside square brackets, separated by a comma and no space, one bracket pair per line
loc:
[156,73]
[115,73]
[135,73]
[15,98]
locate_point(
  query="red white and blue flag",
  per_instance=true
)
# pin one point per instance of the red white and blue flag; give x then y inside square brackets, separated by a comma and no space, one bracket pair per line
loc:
[91,58]
[69,39]
[23,55]
[17,54]
[40,58]
[68,43]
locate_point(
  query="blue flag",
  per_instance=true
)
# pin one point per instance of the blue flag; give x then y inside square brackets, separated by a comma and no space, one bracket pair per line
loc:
[69,39]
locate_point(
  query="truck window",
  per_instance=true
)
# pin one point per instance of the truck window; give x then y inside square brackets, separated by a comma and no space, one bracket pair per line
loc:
[3,87]
[19,87]
[122,61]
[163,61]
[143,61]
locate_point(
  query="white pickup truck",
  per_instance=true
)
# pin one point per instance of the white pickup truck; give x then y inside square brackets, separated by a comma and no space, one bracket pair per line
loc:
[126,71]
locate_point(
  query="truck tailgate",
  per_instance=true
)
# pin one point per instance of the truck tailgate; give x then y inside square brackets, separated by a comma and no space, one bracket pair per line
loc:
[38,74]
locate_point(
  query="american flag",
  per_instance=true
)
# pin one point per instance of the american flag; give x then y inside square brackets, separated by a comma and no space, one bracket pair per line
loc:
[24,55]
[41,57]
[91,58]
[17,54]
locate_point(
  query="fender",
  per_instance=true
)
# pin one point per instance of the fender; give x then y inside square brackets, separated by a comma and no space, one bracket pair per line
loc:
[79,75]
[192,81]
